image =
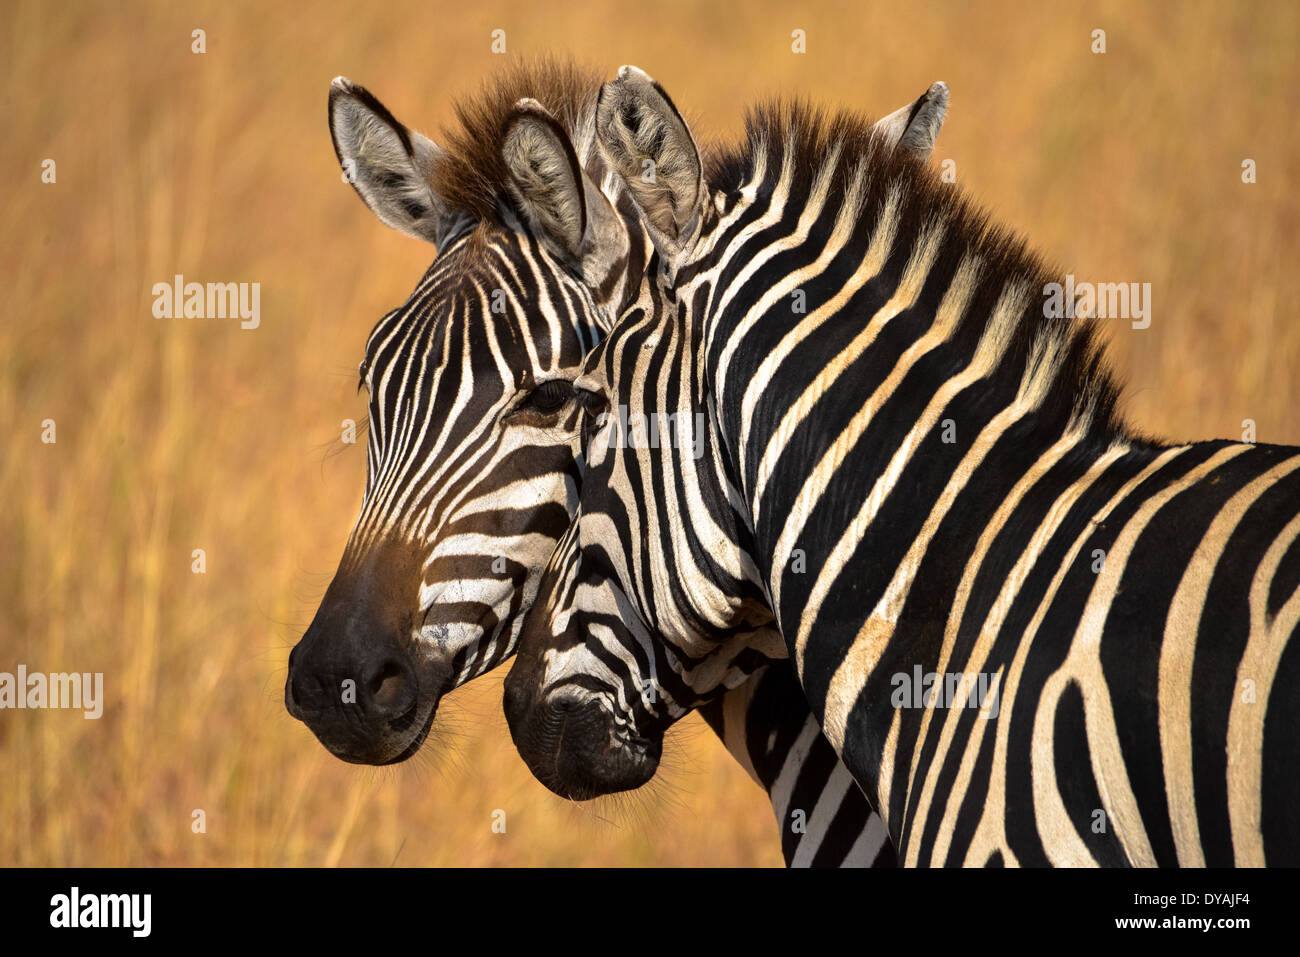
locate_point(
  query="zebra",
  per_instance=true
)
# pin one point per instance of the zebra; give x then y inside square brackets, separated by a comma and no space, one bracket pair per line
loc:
[472,451]
[921,476]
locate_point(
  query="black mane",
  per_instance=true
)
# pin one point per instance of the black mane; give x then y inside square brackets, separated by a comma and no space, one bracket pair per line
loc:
[1085,384]
[473,177]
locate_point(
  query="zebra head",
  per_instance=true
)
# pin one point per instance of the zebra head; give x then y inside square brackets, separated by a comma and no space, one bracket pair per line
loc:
[653,602]
[472,425]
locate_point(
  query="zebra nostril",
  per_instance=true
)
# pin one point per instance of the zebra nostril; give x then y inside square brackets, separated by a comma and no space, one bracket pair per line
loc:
[292,696]
[388,686]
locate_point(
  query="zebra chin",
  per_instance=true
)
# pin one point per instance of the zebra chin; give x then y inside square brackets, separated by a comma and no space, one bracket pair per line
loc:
[574,747]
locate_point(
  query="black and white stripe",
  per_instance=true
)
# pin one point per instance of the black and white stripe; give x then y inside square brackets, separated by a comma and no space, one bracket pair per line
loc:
[919,472]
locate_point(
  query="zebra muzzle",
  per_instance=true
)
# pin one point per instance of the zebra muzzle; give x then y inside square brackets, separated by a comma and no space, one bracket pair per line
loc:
[574,746]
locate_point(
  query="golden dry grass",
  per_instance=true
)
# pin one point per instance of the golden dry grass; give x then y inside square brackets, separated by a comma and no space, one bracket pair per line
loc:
[176,435]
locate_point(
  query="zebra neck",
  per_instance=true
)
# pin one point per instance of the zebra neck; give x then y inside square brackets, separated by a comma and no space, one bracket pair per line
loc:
[881,374]
[881,389]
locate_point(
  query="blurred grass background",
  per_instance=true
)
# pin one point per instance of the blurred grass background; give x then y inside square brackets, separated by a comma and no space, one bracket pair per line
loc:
[182,434]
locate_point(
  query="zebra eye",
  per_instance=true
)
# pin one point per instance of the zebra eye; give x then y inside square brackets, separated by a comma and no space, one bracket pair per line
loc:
[550,396]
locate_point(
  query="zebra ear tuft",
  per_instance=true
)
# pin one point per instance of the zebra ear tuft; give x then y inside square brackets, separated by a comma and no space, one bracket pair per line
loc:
[916,126]
[652,149]
[388,165]
[563,206]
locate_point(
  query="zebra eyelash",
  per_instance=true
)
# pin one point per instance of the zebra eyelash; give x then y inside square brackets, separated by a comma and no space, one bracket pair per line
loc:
[540,397]
[587,425]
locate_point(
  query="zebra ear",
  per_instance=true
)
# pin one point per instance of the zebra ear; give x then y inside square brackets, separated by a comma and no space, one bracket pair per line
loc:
[564,207]
[916,126]
[650,146]
[387,164]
